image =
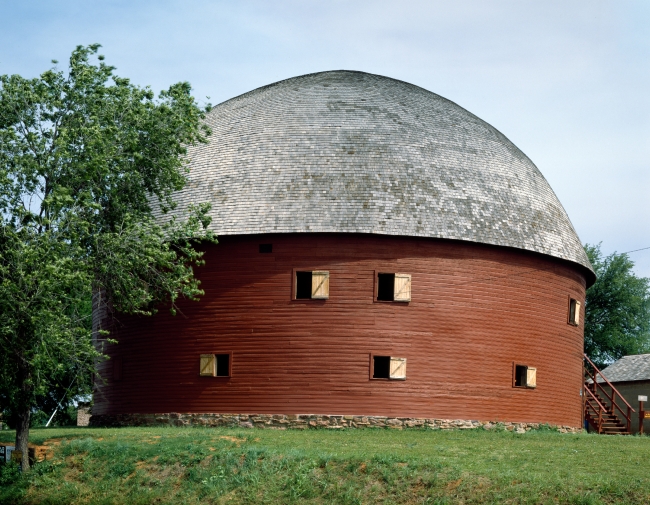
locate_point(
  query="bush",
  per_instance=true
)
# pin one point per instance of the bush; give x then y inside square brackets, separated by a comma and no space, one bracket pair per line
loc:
[9,473]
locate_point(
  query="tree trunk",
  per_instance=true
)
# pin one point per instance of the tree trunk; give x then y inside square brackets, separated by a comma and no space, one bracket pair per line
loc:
[22,434]
[23,411]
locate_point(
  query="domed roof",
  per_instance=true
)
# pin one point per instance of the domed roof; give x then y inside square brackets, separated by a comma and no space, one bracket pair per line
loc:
[353,152]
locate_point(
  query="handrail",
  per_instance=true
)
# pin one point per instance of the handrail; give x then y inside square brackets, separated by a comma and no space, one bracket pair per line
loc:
[597,387]
[611,398]
[599,411]
[608,383]
[594,397]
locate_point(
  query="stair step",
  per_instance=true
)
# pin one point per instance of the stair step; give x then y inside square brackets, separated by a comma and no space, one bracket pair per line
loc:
[603,418]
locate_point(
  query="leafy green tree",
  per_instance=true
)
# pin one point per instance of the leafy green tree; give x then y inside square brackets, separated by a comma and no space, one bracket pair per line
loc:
[85,157]
[617,309]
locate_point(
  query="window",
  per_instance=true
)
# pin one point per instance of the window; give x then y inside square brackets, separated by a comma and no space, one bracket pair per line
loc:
[266,248]
[312,285]
[223,365]
[524,376]
[215,365]
[393,287]
[574,312]
[387,367]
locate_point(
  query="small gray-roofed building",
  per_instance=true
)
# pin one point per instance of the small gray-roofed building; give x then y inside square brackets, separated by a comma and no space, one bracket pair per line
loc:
[630,375]
[351,152]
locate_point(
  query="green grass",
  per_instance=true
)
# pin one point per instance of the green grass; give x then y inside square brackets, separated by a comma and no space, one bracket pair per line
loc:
[211,465]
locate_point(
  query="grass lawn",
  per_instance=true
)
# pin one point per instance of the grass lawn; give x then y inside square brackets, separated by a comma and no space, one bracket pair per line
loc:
[222,465]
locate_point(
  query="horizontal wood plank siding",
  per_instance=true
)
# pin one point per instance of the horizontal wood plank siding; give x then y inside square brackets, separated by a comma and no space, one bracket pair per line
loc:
[474,310]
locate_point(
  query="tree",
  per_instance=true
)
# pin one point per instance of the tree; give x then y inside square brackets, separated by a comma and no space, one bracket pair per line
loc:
[84,158]
[617,309]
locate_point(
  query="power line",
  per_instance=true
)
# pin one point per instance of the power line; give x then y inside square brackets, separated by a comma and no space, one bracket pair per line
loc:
[635,250]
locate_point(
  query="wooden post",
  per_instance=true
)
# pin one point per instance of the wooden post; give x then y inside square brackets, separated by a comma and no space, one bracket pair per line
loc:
[600,421]
[628,419]
[641,412]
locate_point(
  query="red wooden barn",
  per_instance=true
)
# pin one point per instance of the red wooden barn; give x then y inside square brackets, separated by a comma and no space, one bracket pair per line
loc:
[383,252]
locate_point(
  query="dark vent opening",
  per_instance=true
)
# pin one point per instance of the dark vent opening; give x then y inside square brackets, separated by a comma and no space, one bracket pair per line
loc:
[572,311]
[303,285]
[266,248]
[386,287]
[381,367]
[223,365]
[520,376]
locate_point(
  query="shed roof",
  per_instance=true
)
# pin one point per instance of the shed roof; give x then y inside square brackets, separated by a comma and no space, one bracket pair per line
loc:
[352,152]
[629,368]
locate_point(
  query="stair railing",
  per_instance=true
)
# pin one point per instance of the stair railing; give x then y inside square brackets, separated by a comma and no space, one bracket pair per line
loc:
[611,397]
[597,412]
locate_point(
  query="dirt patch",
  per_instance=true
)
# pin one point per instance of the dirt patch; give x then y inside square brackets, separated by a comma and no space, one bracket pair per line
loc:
[454,484]
[46,450]
[175,470]
[233,439]
[75,460]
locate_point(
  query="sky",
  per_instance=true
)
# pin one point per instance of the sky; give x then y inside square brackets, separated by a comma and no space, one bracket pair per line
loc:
[567,81]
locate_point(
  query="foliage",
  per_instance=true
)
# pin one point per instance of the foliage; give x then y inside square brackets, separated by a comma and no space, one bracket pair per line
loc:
[9,474]
[617,309]
[66,416]
[85,158]
[220,465]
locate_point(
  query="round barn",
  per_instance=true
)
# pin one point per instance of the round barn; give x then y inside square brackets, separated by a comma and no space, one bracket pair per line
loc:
[383,253]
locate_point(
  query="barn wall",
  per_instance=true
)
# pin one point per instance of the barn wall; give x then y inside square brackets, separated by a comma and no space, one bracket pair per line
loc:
[475,311]
[631,391]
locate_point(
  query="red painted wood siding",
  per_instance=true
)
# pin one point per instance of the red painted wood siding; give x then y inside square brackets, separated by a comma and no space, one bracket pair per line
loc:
[475,310]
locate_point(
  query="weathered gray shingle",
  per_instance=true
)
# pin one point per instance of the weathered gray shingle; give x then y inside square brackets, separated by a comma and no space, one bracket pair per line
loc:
[353,152]
[629,368]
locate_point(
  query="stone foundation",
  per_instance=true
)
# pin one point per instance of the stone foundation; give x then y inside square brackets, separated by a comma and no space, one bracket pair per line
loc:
[312,421]
[83,416]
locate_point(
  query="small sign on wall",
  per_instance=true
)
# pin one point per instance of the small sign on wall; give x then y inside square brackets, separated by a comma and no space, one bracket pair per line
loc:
[643,398]
[646,415]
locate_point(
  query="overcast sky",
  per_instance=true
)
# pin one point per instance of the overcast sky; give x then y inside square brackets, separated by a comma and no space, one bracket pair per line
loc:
[567,81]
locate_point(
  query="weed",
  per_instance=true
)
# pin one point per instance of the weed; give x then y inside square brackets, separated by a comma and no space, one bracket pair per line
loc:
[9,473]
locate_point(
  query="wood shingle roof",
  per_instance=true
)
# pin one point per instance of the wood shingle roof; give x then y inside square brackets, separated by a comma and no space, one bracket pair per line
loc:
[352,152]
[635,367]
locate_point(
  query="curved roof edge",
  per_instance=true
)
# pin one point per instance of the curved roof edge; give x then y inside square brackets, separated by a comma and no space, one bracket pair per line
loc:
[352,152]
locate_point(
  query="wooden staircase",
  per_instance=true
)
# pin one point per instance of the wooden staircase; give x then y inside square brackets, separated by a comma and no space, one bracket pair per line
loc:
[602,410]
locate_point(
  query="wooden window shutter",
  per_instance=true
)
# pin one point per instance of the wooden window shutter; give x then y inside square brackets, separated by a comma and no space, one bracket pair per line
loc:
[531,377]
[402,288]
[397,368]
[576,317]
[208,365]
[320,285]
